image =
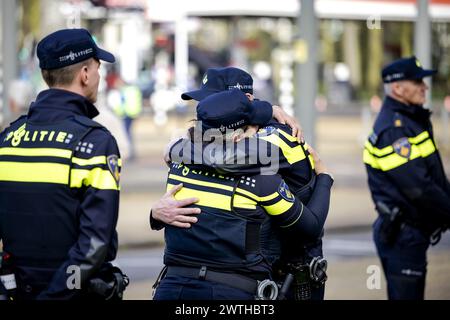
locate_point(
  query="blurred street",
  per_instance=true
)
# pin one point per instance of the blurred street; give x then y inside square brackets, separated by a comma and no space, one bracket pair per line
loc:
[348,241]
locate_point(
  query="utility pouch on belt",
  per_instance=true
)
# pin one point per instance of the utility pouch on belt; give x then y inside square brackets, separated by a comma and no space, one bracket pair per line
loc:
[391,222]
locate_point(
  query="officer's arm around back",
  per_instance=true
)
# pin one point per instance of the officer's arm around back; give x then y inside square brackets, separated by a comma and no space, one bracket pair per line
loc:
[290,214]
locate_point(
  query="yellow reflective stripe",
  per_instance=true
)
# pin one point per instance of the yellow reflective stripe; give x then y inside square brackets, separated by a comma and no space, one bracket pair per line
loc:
[311,160]
[287,135]
[200,183]
[389,149]
[292,154]
[426,148]
[378,152]
[369,159]
[34,172]
[206,199]
[243,202]
[394,160]
[255,197]
[419,138]
[97,178]
[92,161]
[278,208]
[36,152]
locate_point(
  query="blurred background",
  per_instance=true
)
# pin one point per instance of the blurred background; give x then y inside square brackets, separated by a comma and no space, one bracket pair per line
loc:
[320,60]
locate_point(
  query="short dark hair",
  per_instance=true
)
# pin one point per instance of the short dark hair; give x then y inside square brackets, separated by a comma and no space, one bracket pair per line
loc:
[63,76]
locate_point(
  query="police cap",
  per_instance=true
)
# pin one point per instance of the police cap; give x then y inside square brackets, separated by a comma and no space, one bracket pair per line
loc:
[69,46]
[221,79]
[405,69]
[231,110]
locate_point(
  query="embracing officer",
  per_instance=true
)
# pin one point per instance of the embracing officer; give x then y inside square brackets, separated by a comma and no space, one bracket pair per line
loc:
[221,256]
[59,180]
[407,180]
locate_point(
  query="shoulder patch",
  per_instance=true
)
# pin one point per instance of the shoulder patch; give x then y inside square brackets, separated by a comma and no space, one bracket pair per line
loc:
[402,147]
[113,165]
[285,193]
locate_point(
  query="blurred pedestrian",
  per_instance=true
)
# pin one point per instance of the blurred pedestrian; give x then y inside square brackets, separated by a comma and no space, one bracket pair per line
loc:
[126,101]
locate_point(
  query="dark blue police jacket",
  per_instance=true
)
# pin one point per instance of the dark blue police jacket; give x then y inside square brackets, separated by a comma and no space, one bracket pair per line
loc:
[59,195]
[404,166]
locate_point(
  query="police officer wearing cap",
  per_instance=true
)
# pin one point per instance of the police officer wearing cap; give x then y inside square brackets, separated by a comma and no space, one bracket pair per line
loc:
[407,180]
[59,178]
[293,163]
[220,256]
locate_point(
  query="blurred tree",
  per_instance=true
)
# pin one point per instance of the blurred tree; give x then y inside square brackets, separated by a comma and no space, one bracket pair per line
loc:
[352,51]
[374,60]
[30,19]
[406,38]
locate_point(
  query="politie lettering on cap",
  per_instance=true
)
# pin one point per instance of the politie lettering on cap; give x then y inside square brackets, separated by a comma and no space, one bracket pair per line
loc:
[221,79]
[69,46]
[232,109]
[405,69]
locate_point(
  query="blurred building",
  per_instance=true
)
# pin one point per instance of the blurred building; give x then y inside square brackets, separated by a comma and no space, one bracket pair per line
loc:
[164,47]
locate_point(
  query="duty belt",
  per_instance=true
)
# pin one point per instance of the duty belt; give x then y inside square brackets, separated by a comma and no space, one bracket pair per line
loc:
[233,280]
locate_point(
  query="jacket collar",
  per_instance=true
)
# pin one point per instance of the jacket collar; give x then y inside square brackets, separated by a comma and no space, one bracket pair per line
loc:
[416,111]
[58,104]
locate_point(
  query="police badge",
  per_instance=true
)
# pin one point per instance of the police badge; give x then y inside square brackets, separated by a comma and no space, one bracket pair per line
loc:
[402,147]
[285,193]
[113,165]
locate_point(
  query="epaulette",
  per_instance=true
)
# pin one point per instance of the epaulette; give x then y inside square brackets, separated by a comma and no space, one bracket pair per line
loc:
[397,120]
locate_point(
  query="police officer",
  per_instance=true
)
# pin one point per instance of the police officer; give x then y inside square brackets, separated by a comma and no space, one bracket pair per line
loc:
[293,163]
[407,180]
[220,256]
[59,177]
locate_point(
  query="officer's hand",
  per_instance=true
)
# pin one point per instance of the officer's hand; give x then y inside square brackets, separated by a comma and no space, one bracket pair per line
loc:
[249,132]
[282,117]
[319,166]
[171,211]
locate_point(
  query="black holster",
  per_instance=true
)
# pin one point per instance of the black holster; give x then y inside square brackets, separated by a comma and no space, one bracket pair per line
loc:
[391,222]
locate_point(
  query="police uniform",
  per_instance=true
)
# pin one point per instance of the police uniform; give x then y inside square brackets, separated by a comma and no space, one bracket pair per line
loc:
[293,162]
[408,185]
[223,249]
[59,189]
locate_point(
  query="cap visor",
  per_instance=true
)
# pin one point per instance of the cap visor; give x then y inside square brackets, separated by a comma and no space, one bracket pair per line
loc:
[262,112]
[197,94]
[425,73]
[105,56]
